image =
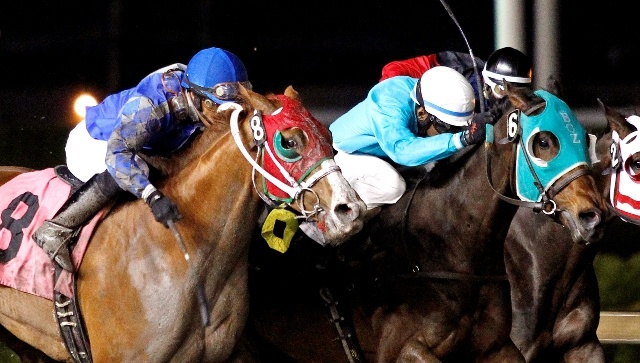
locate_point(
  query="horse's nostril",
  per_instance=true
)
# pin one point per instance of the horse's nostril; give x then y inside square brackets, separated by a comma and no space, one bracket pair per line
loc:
[590,219]
[343,209]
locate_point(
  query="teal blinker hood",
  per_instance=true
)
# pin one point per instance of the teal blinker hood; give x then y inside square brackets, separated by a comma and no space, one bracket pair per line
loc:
[572,138]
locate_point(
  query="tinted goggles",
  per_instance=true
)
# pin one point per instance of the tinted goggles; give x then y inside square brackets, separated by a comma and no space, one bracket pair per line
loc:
[443,127]
[495,88]
[225,91]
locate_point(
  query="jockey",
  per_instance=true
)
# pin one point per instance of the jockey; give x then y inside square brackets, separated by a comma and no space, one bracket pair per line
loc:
[159,116]
[405,121]
[504,63]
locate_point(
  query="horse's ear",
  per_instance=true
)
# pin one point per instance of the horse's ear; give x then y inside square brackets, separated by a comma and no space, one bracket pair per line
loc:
[520,97]
[553,86]
[244,92]
[292,93]
[266,103]
[616,120]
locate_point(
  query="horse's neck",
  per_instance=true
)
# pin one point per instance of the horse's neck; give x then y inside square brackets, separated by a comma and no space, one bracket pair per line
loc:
[464,208]
[215,181]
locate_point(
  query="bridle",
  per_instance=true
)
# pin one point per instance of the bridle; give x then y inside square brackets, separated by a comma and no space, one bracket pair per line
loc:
[546,204]
[294,189]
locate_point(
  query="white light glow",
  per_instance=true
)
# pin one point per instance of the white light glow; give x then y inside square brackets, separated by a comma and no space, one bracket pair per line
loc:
[83,101]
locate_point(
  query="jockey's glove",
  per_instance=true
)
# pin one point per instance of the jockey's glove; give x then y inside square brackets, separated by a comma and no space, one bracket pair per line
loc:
[477,128]
[164,210]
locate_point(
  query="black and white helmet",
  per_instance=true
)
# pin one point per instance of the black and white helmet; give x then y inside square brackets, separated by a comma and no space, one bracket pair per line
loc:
[506,64]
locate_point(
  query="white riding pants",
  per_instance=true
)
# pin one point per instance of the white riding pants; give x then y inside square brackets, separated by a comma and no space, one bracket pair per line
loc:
[85,155]
[376,181]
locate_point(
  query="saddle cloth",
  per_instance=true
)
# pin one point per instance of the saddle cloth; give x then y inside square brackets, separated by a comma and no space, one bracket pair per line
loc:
[25,202]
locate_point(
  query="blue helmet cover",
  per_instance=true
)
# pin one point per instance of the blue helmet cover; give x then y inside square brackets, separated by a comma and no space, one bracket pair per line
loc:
[212,66]
[558,119]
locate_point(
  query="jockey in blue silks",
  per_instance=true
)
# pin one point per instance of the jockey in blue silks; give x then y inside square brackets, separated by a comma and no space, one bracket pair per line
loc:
[157,117]
[409,122]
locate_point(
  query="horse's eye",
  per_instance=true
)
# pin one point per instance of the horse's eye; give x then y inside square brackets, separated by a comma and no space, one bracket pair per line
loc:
[543,143]
[635,165]
[287,146]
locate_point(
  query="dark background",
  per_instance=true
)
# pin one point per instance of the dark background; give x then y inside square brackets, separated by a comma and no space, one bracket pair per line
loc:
[58,46]
[331,51]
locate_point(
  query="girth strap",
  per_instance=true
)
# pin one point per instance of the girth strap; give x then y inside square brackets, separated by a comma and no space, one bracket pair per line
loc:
[447,275]
[345,332]
[70,323]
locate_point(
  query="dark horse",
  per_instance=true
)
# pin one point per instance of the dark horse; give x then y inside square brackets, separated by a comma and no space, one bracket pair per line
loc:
[136,290]
[554,290]
[425,281]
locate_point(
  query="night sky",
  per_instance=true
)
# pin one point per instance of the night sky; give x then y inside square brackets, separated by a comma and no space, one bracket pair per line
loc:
[110,45]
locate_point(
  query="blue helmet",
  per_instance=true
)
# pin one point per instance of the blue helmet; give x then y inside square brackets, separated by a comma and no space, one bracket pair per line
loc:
[214,73]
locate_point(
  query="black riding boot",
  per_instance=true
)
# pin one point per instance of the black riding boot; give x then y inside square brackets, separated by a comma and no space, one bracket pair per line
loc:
[54,235]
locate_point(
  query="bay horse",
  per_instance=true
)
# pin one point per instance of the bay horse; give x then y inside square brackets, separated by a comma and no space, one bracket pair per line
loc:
[136,290]
[554,289]
[425,280]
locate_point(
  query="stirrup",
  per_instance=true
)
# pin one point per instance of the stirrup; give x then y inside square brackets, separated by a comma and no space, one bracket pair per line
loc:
[54,240]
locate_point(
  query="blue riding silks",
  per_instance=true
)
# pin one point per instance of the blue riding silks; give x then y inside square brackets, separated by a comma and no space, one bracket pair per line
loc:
[558,119]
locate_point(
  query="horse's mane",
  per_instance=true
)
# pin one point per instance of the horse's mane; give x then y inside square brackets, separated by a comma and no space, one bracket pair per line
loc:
[164,166]
[211,134]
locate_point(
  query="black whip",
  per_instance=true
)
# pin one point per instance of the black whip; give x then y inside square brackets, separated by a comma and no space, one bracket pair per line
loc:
[473,58]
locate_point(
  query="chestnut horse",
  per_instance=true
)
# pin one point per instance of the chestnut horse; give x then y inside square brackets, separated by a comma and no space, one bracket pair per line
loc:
[135,288]
[425,281]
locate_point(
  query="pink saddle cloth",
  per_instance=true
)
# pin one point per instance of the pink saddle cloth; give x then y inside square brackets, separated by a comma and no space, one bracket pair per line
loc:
[25,203]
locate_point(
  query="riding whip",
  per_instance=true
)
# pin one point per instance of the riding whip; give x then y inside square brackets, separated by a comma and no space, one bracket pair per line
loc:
[473,58]
[204,308]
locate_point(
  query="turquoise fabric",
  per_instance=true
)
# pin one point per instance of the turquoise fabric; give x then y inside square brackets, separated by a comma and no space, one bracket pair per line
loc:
[385,125]
[558,119]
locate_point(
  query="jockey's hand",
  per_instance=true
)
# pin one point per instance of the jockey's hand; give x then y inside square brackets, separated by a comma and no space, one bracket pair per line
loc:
[164,210]
[477,129]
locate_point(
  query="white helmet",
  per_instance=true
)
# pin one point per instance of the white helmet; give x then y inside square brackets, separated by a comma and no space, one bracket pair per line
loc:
[446,94]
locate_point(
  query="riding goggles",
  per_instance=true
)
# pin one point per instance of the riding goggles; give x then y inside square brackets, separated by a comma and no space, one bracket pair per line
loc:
[443,127]
[221,92]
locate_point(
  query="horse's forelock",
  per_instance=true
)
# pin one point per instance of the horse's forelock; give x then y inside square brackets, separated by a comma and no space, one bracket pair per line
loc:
[524,98]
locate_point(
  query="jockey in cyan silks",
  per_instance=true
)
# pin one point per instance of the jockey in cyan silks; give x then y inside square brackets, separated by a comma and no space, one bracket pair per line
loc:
[159,116]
